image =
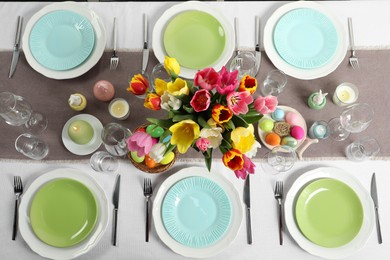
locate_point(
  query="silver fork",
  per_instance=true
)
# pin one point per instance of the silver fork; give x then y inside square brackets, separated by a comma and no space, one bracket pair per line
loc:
[353,60]
[114,61]
[18,189]
[148,191]
[279,196]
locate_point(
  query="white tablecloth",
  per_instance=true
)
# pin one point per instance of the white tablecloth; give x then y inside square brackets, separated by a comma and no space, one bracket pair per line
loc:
[370,21]
[131,212]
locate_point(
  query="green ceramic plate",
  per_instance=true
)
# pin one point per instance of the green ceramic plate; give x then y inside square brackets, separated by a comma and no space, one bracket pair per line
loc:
[329,213]
[196,39]
[305,38]
[63,212]
[196,212]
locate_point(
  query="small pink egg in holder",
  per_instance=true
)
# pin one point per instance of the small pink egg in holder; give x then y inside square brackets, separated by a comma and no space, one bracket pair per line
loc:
[297,120]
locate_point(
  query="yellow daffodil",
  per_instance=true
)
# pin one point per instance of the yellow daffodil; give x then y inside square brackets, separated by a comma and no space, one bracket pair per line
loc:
[233,159]
[171,65]
[242,139]
[160,86]
[183,134]
[178,87]
[221,114]
[248,83]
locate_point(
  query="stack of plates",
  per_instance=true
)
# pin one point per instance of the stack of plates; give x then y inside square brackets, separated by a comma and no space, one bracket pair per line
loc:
[197,213]
[329,213]
[63,214]
[196,35]
[64,40]
[305,40]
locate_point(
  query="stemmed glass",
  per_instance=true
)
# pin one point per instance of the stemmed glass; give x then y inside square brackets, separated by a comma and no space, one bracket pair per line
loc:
[17,111]
[279,159]
[354,119]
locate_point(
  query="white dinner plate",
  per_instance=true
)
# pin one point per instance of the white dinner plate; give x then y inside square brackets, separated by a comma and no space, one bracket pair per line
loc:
[93,58]
[83,149]
[84,246]
[332,61]
[222,242]
[170,14]
[286,109]
[368,209]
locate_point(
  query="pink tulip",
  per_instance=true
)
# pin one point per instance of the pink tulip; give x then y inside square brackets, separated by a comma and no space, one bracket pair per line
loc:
[202,144]
[201,100]
[266,105]
[207,79]
[228,81]
[238,102]
[249,167]
[141,142]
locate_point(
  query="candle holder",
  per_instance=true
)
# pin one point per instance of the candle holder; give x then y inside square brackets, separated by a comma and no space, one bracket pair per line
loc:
[345,94]
[119,108]
[319,130]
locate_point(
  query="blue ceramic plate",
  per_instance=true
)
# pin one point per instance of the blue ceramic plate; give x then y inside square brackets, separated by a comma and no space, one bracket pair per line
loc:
[62,40]
[196,212]
[305,38]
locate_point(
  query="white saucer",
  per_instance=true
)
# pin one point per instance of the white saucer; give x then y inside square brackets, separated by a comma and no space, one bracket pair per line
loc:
[85,149]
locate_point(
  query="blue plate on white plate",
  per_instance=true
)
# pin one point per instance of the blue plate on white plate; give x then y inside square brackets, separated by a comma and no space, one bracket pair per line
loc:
[305,38]
[62,40]
[196,212]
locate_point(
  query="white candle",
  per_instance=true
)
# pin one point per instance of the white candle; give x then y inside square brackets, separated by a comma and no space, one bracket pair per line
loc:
[119,108]
[319,131]
[345,94]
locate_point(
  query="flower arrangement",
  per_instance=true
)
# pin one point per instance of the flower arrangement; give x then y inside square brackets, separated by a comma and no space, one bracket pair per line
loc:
[215,111]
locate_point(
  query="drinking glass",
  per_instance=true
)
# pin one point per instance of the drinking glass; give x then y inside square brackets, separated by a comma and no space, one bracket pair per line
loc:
[146,76]
[362,149]
[246,64]
[274,83]
[16,111]
[159,72]
[279,159]
[354,119]
[114,137]
[31,146]
[102,161]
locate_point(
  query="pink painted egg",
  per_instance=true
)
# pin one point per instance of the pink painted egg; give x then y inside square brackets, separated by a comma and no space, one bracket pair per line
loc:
[292,118]
[103,90]
[297,132]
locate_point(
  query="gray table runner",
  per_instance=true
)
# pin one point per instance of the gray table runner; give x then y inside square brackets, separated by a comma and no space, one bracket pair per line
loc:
[50,97]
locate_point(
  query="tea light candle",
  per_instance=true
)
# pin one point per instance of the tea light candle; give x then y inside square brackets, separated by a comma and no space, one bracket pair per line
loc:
[119,108]
[345,94]
[319,130]
[80,132]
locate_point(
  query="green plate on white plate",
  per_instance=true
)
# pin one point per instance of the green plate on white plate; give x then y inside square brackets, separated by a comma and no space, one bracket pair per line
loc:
[62,40]
[63,212]
[305,38]
[196,212]
[196,39]
[329,213]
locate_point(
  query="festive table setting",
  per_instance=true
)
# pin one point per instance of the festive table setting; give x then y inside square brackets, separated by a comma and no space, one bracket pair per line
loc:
[212,130]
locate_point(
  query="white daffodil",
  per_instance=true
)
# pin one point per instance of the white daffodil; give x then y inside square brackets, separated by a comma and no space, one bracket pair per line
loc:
[157,152]
[170,102]
[213,135]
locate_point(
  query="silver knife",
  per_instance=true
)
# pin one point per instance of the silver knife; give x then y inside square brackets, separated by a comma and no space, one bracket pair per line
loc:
[247,201]
[374,196]
[236,34]
[145,53]
[15,55]
[257,41]
[115,201]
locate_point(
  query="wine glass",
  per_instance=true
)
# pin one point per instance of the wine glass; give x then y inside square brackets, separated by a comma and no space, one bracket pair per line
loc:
[279,159]
[246,64]
[16,111]
[354,119]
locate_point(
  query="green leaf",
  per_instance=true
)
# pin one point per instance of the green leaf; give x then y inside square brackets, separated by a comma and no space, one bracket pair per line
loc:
[188,109]
[178,118]
[252,119]
[164,123]
[239,121]
[208,163]
[169,148]
[202,122]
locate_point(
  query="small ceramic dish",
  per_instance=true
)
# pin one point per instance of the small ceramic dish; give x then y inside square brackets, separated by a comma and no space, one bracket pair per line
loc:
[90,147]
